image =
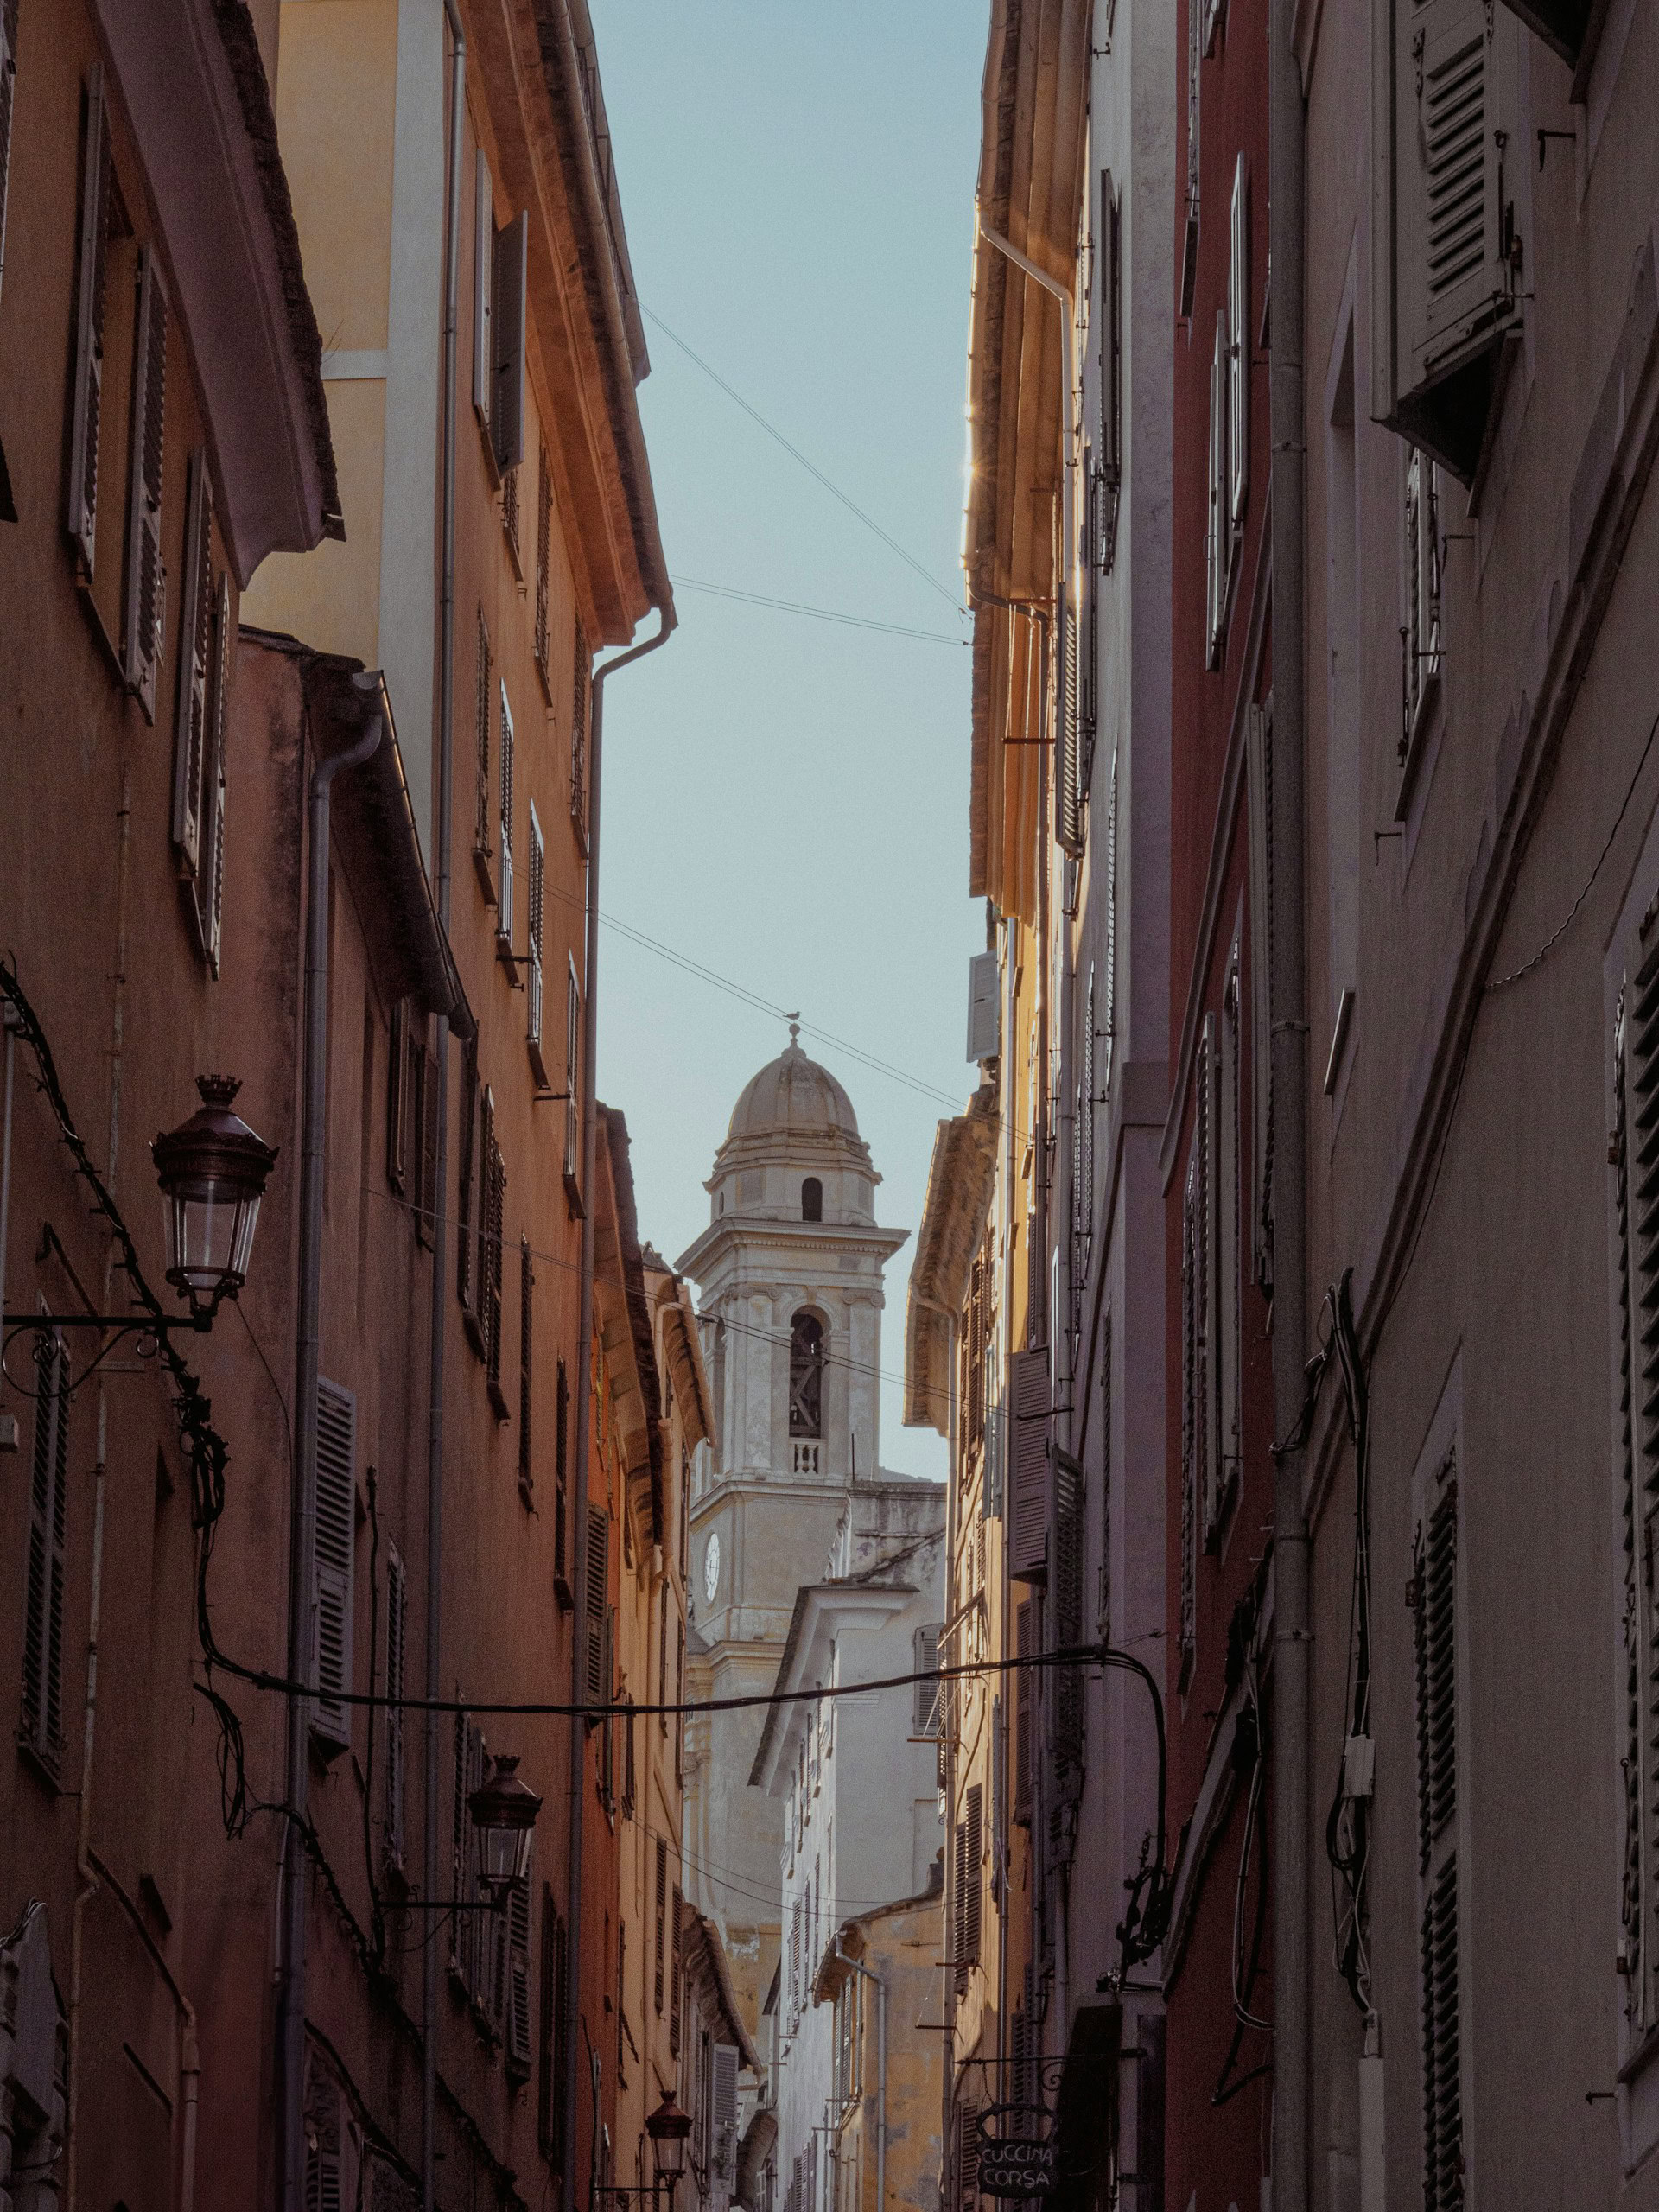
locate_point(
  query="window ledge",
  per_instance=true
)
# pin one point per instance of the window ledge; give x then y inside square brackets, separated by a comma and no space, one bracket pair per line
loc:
[42,1766]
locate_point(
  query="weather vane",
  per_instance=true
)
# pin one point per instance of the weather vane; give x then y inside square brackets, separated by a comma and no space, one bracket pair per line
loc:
[794,1022]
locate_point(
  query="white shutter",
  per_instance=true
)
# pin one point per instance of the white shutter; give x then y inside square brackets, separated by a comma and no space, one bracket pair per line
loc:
[397,1624]
[503,889]
[507,319]
[42,1698]
[82,513]
[516,1917]
[7,96]
[336,1519]
[146,601]
[195,666]
[483,289]
[1028,1519]
[984,1006]
[1238,360]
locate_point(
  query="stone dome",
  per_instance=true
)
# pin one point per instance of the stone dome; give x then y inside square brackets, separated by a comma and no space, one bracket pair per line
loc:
[793,1095]
[792,1150]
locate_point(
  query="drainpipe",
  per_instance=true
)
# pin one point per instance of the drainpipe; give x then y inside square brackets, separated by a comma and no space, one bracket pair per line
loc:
[302,1540]
[429,1969]
[881,2073]
[1292,1653]
[584,1397]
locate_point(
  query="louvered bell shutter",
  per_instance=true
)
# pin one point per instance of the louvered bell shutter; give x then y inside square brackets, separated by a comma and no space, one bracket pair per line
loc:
[537,902]
[974,1908]
[397,1624]
[190,742]
[984,1006]
[483,287]
[507,321]
[82,511]
[959,1906]
[597,1576]
[336,1519]
[146,605]
[48,1505]
[1207,1085]
[8,11]
[1028,1519]
[517,1936]
[1436,1625]
[968,2155]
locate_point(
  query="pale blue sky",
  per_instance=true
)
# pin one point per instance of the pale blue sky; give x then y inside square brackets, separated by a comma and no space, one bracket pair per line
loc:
[786,800]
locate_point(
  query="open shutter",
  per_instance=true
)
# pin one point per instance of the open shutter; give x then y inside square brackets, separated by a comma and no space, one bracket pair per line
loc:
[8,96]
[504,878]
[572,1103]
[1068,1610]
[597,1569]
[1068,795]
[537,901]
[516,1917]
[460,1834]
[544,570]
[496,1237]
[1444,248]
[195,667]
[526,1358]
[1028,1520]
[1025,1643]
[984,1006]
[1109,450]
[723,2077]
[1189,267]
[210,878]
[465,1254]
[1238,354]
[484,1146]
[146,605]
[482,705]
[967,2156]
[1207,1086]
[659,1951]
[1192,1417]
[82,513]
[1434,1591]
[397,1623]
[42,1697]
[1259,794]
[925,1665]
[974,1904]
[336,1514]
[1219,541]
[677,1956]
[483,288]
[426,1216]
[560,1468]
[581,673]
[507,342]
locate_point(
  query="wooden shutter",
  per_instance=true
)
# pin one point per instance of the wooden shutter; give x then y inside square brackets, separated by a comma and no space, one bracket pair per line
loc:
[984,1006]
[82,513]
[1109,444]
[662,1653]
[1238,357]
[973,1908]
[579,736]
[1191,1418]
[479,1200]
[396,1098]
[1068,775]
[660,1924]
[549,2085]
[481,839]
[1025,1643]
[968,2154]
[210,875]
[195,667]
[517,1919]
[1207,1085]
[48,1506]
[1070,1534]
[723,2079]
[1028,1519]
[146,601]
[504,883]
[336,1517]
[676,1958]
[679,1698]
[597,1568]
[459,1836]
[465,1252]
[572,1103]
[495,1221]
[397,1623]
[507,318]
[924,1661]
[1422,593]
[544,569]
[483,286]
[1434,1590]
[9,9]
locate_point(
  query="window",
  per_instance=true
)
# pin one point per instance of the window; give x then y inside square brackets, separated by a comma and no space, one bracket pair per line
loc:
[466,1249]
[504,892]
[1068,760]
[500,263]
[579,736]
[572,1103]
[967,1902]
[1193,1399]
[811,1200]
[676,1945]
[1189,270]
[924,1664]
[517,1931]
[48,1508]
[543,566]
[1422,623]
[1224,1456]
[1070,1535]
[1447,257]
[1025,1643]
[1259,798]
[331,1588]
[1031,1407]
[662,1655]
[806,1375]
[1434,1594]
[526,1363]
[1108,445]
[1219,537]
[481,841]
[98,212]
[1103,1606]
[470,1933]
[660,1926]
[396,1628]
[205,660]
[549,2079]
[597,1571]
[984,1006]
[510,519]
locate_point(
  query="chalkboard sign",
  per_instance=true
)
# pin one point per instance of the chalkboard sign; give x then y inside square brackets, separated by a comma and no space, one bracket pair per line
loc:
[1007,2168]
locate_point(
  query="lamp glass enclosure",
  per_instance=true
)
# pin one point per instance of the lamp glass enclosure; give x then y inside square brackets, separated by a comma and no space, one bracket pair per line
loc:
[212,1171]
[504,1813]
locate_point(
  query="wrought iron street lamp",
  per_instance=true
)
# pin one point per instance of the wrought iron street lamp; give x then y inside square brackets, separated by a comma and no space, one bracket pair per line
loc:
[668,2128]
[504,1813]
[212,1171]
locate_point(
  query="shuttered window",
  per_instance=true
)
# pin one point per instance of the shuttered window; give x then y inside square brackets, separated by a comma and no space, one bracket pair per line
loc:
[492,1240]
[1422,623]
[336,1529]
[1108,444]
[679,1698]
[973,1359]
[1259,799]
[550,2069]
[9,12]
[1025,1643]
[191,745]
[483,287]
[465,1249]
[472,1943]
[723,2078]
[510,519]
[968,2156]
[537,890]
[1028,1519]
[561,1470]
[572,1103]
[924,1664]
[1435,1596]
[398,1100]
[82,517]
[504,850]
[517,1929]
[508,307]
[984,1006]
[526,1360]
[579,736]
[48,1507]
[1238,350]
[544,569]
[1070,1535]
[1218,532]
[1189,267]
[677,1950]
[146,593]
[597,1570]
[1222,1453]
[1068,764]
[1192,1418]
[396,1628]
[660,1924]
[662,1655]
[210,878]
[426,1214]
[481,839]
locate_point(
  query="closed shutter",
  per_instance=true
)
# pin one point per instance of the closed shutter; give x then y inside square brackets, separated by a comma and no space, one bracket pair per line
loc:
[1259,780]
[1025,1643]
[1191,1420]
[1189,269]
[572,1103]
[503,882]
[1207,1087]
[1635,1319]
[1218,543]
[1422,672]
[597,1573]
[984,1006]
[1238,352]
[1434,1591]
[460,1840]
[723,2077]
[959,1961]
[483,285]
[972,1346]
[1028,1521]
[544,569]
[549,2086]
[662,1656]
[210,877]
[190,743]
[925,1661]
[82,511]
[1068,1610]
[659,1948]
[397,1623]
[336,1518]
[146,601]
[1068,769]
[517,1919]
[1445,252]
[397,1097]
[677,1953]
[48,1507]
[679,1700]
[973,1905]
[507,320]
[486,1147]
[607,1726]
[466,1252]
[481,840]
[968,2155]
[8,98]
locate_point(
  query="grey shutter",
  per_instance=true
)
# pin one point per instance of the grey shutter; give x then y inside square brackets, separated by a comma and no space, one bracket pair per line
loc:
[507,318]
[146,603]
[517,1919]
[984,1006]
[1445,75]
[397,1623]
[1259,795]
[1238,362]
[483,286]
[1028,1520]
[48,1501]
[597,1577]
[336,1519]
[82,513]
[723,2079]
[504,880]
[925,1667]
[1434,1590]
[195,666]
[210,877]
[7,99]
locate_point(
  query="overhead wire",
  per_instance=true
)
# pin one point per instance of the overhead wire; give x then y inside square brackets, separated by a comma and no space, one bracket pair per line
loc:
[818,613]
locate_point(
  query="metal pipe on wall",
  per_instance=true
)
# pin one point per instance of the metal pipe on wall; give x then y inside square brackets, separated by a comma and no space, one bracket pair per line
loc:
[430,1968]
[1291,1903]
[880,2069]
[584,1395]
[302,1535]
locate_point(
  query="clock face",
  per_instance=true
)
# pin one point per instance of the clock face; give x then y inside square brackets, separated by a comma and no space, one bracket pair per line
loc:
[711,1568]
